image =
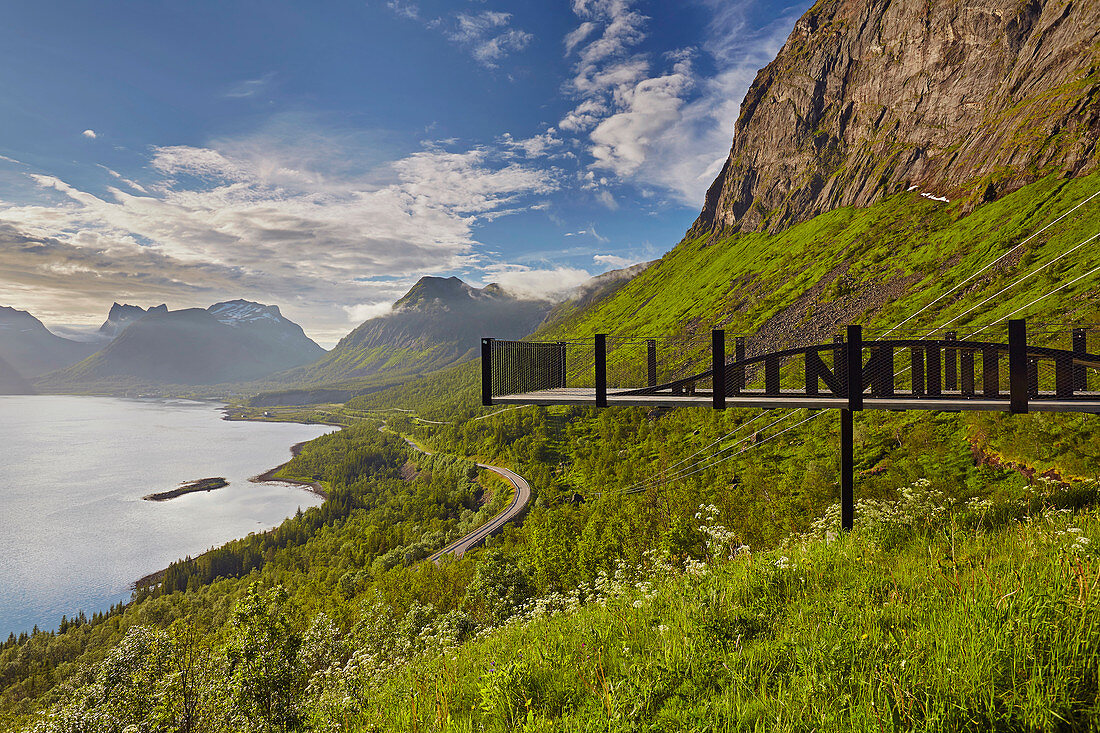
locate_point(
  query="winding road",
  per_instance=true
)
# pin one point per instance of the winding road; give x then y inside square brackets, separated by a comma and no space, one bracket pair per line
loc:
[519,503]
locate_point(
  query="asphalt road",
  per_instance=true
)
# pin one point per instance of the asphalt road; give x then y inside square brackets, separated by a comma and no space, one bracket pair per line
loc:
[519,503]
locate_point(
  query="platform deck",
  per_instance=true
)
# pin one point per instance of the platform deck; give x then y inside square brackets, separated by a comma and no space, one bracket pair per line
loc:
[948,402]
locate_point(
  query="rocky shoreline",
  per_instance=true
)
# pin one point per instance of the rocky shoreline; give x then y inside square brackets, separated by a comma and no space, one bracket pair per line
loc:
[202,484]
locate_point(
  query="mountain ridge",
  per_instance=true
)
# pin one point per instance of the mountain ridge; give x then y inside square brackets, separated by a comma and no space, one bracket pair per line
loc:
[231,341]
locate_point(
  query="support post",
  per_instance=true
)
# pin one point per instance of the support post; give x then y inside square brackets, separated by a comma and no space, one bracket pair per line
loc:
[487,372]
[1017,366]
[854,367]
[651,362]
[847,470]
[601,370]
[1080,346]
[718,364]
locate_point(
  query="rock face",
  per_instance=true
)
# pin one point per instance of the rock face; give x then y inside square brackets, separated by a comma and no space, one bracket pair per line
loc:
[960,99]
[123,315]
[29,348]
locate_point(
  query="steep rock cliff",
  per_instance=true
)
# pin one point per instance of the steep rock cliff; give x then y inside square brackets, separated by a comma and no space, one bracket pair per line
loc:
[967,100]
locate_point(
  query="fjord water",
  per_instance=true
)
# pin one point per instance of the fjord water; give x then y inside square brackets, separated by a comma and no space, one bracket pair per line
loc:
[74,530]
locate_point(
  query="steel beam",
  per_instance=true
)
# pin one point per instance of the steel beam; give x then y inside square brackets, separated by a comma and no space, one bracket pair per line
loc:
[847,469]
[718,364]
[853,348]
[601,369]
[1018,366]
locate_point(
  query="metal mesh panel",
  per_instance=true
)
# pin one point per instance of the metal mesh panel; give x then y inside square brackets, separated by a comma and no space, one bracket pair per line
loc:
[520,367]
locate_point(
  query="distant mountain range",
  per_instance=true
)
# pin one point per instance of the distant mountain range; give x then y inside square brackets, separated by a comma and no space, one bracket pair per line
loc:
[29,349]
[233,341]
[439,322]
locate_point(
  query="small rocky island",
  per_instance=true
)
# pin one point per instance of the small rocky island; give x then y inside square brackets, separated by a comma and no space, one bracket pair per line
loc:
[202,484]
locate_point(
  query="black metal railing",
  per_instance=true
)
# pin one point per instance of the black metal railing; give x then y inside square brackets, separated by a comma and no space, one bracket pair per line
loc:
[944,368]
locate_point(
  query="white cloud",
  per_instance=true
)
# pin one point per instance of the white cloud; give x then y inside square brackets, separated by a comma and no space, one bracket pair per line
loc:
[249,218]
[367,311]
[578,35]
[649,110]
[249,87]
[488,36]
[590,231]
[536,146]
[404,9]
[118,176]
[669,130]
[89,134]
[613,261]
[548,283]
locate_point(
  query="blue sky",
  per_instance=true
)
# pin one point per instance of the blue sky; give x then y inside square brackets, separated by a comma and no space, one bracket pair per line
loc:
[324,156]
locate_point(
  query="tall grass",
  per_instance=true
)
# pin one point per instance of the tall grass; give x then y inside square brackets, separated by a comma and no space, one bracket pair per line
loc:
[974,619]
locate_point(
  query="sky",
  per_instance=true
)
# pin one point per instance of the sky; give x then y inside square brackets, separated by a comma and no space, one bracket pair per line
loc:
[323,157]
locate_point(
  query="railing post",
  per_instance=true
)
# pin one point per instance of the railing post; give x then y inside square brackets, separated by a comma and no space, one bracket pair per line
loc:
[771,375]
[1080,346]
[738,371]
[651,362]
[916,366]
[1017,366]
[560,376]
[487,372]
[839,366]
[950,362]
[601,370]
[991,373]
[966,373]
[718,364]
[932,357]
[854,367]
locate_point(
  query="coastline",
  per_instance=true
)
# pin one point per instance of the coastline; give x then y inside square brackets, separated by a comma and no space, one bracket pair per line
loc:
[269,477]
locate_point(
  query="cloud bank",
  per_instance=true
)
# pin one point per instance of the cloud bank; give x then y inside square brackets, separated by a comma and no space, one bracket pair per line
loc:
[252,219]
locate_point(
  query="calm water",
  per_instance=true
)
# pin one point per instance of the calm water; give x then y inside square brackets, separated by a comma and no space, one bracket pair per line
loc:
[74,530]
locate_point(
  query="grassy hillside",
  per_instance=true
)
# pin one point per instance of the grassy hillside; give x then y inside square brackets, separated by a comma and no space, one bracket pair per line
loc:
[873,266]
